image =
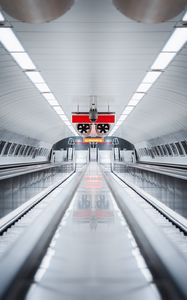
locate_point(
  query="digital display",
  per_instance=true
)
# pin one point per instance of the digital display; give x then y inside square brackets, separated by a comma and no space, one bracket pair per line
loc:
[93,140]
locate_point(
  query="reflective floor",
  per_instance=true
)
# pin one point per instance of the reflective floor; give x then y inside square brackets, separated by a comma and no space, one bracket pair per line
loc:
[169,190]
[93,255]
[17,190]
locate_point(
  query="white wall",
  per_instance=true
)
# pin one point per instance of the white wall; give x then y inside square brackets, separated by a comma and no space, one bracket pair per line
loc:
[81,157]
[126,155]
[104,156]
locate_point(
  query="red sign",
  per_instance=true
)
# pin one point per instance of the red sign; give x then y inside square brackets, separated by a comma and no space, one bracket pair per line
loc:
[102,118]
[81,119]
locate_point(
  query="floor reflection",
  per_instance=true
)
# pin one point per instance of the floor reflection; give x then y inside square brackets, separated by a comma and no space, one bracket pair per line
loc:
[93,209]
[17,190]
[169,190]
[93,203]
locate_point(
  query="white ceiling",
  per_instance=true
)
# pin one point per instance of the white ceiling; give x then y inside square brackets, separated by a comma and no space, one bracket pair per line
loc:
[92,50]
[164,109]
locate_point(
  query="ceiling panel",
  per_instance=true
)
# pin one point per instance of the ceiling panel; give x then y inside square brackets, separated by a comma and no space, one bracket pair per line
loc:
[23,109]
[164,109]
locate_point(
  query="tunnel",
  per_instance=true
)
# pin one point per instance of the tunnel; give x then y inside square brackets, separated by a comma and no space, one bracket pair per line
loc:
[93,149]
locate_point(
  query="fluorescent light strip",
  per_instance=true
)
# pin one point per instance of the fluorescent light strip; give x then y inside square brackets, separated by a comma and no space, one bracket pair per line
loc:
[127,110]
[64,118]
[58,110]
[144,87]
[119,122]
[49,96]
[9,40]
[35,77]
[23,60]
[42,87]
[12,44]
[138,96]
[133,102]
[1,17]
[123,117]
[67,122]
[177,40]
[53,102]
[163,60]
[185,17]
[174,44]
[151,76]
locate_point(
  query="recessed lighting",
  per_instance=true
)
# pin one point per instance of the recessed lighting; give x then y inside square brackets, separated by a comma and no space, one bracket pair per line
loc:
[35,76]
[151,77]
[12,44]
[23,60]
[138,96]
[53,102]
[123,117]
[119,122]
[163,61]
[133,102]
[144,87]
[9,40]
[185,17]
[67,122]
[64,118]
[1,17]
[42,87]
[177,40]
[127,110]
[49,96]
[59,110]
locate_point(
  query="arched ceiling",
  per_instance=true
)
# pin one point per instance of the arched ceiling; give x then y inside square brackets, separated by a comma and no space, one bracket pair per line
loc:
[92,50]
[164,109]
[23,109]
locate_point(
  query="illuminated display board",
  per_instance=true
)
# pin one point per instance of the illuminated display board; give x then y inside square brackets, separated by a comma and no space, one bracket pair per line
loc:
[93,140]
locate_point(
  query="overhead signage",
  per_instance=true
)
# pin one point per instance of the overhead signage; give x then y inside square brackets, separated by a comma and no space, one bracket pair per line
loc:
[93,140]
[102,118]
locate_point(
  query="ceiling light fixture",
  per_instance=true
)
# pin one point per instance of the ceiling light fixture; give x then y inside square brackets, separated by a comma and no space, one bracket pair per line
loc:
[9,40]
[163,60]
[67,122]
[185,17]
[133,102]
[127,110]
[64,118]
[59,110]
[138,96]
[151,76]
[14,47]
[123,117]
[49,96]
[144,87]
[53,102]
[35,76]
[1,17]
[177,40]
[42,87]
[23,60]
